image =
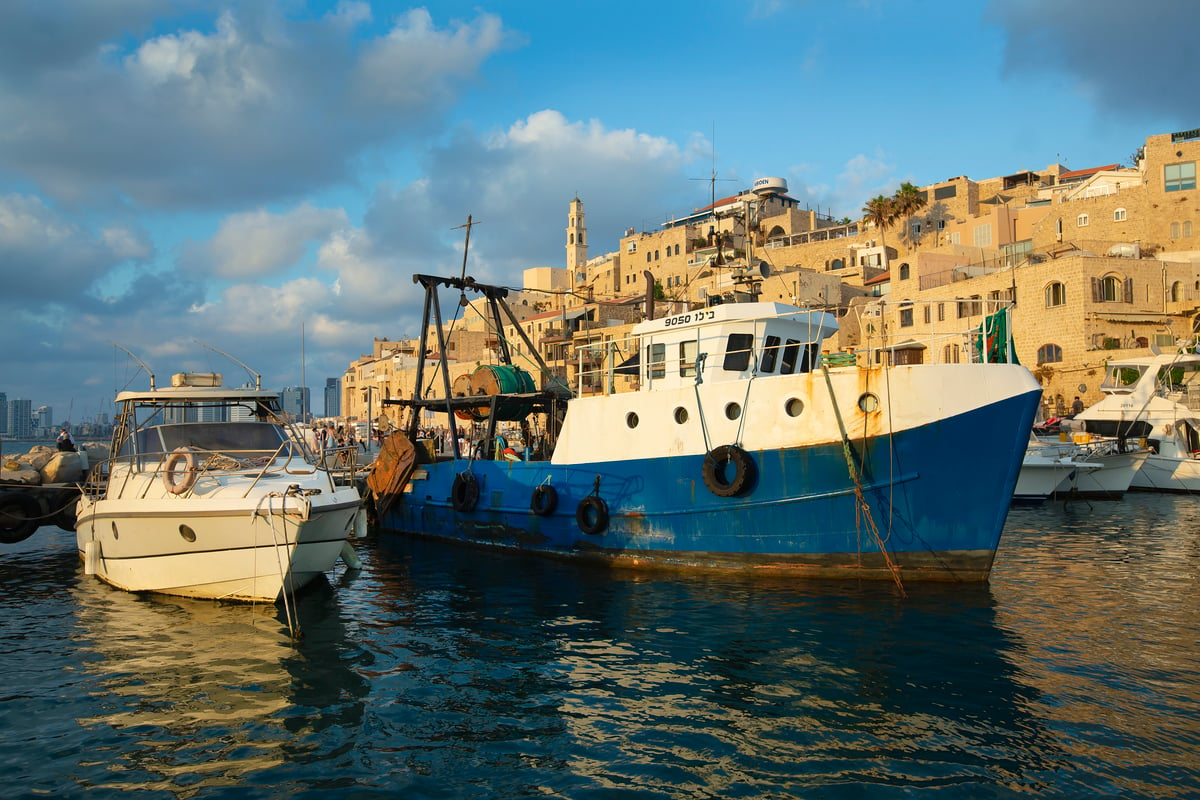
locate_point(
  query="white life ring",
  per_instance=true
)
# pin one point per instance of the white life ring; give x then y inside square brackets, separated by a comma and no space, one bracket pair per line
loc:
[181,457]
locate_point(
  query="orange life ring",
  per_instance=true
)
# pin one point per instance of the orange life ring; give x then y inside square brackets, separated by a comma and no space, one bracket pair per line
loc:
[181,457]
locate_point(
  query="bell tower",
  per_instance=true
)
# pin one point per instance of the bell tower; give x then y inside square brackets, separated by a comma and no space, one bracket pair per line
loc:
[576,237]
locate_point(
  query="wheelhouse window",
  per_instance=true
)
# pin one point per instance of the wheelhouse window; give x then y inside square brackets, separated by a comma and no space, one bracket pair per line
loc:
[770,354]
[687,358]
[656,360]
[1056,295]
[1049,354]
[738,348]
[1179,177]
[791,354]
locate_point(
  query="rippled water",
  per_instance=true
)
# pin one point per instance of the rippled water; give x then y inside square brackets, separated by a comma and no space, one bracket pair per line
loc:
[438,671]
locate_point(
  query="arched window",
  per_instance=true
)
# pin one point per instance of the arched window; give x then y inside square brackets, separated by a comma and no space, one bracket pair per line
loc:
[1056,295]
[904,271]
[656,255]
[1049,354]
[1174,230]
[1119,215]
[676,249]
[1176,291]
[1108,290]
[1187,229]
[837,264]
[1081,221]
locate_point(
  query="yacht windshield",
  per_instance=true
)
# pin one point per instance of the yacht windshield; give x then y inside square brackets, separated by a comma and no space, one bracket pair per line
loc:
[240,439]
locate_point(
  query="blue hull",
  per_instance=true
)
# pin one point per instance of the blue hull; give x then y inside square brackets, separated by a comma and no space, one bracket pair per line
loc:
[938,496]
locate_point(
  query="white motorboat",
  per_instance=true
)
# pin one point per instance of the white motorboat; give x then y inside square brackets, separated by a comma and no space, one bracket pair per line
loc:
[1155,399]
[1118,468]
[1049,468]
[206,495]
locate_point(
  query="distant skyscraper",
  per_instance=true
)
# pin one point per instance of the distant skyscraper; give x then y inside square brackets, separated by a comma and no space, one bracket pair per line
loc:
[20,419]
[3,412]
[44,417]
[333,397]
[294,400]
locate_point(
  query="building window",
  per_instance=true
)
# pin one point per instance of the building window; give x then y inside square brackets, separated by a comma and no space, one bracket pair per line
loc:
[904,272]
[955,237]
[1176,291]
[1174,230]
[647,256]
[1119,215]
[1049,354]
[1056,295]
[656,255]
[837,264]
[1081,221]
[945,192]
[983,236]
[928,313]
[941,312]
[676,249]
[1178,177]
[1187,229]
[906,315]
[1111,289]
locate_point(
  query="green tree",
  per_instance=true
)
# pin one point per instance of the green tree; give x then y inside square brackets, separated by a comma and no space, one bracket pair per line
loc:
[907,201]
[881,212]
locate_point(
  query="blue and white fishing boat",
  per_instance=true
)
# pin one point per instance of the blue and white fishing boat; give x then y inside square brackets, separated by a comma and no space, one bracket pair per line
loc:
[741,448]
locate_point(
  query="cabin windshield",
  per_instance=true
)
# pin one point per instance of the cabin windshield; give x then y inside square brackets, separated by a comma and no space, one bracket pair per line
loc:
[237,439]
[1120,380]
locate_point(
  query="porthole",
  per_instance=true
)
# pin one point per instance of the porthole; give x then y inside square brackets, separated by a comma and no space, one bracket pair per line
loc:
[868,402]
[631,419]
[794,407]
[733,411]
[187,533]
[681,415]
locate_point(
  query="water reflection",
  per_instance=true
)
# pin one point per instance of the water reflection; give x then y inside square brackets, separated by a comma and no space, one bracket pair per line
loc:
[194,695]
[704,685]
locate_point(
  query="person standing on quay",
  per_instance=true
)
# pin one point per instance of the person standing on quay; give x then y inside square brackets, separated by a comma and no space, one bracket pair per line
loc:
[1076,406]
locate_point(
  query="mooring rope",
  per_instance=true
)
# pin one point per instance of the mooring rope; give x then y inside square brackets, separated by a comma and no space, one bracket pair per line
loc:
[863,509]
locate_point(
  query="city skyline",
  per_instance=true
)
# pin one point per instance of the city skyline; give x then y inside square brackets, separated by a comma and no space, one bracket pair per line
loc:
[264,178]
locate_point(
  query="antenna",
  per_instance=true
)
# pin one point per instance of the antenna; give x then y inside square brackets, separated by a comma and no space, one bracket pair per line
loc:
[712,179]
[257,377]
[139,361]
[466,244]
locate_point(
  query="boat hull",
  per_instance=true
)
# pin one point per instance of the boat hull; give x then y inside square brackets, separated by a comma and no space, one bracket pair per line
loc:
[215,550]
[1161,473]
[936,518]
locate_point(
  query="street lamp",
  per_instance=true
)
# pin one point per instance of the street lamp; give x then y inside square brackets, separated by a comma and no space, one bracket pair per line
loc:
[368,391]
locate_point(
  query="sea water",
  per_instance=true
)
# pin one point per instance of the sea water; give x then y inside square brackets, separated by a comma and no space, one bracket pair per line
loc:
[438,671]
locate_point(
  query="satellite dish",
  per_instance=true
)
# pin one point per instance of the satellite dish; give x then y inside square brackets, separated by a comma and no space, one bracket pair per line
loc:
[764,269]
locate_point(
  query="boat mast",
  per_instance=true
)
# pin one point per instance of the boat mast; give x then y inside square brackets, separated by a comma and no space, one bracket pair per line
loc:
[139,361]
[257,377]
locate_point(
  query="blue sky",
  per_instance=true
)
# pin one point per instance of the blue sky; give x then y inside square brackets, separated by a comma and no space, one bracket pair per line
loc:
[230,172]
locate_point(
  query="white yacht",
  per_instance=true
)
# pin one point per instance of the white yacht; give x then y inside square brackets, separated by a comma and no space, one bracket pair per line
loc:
[206,495]
[1155,399]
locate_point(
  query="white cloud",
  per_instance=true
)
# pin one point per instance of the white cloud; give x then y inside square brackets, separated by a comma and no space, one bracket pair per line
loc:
[259,243]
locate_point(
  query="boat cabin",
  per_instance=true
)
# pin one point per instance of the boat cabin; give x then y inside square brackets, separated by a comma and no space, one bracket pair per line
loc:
[730,343]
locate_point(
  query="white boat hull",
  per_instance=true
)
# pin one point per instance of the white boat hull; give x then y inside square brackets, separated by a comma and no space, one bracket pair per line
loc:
[230,553]
[1161,473]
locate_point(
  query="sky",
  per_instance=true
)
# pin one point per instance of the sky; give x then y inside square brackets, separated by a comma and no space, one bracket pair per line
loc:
[265,177]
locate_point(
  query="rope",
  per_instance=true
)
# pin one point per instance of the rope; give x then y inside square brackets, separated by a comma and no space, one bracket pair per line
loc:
[293,629]
[863,509]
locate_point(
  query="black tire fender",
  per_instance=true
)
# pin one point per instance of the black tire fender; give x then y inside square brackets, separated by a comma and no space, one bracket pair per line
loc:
[592,515]
[717,463]
[464,494]
[20,516]
[544,500]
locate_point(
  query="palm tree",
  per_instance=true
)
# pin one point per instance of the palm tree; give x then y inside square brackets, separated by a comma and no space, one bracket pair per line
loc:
[880,211]
[907,201]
